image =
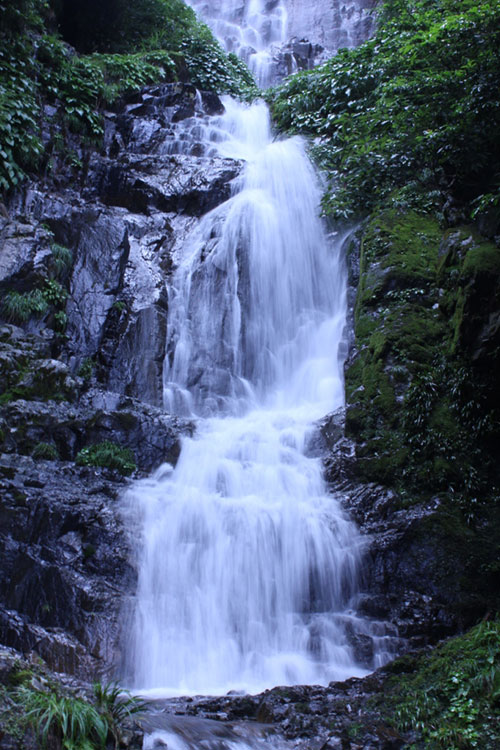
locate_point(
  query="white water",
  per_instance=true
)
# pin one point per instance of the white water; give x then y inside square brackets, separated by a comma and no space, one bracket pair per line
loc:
[246,563]
[248,29]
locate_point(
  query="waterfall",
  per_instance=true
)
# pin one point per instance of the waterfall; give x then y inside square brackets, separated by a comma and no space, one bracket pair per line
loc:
[246,563]
[254,30]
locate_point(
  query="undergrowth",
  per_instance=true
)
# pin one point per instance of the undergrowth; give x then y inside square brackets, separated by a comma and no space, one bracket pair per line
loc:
[452,699]
[59,718]
[146,42]
[107,454]
[419,102]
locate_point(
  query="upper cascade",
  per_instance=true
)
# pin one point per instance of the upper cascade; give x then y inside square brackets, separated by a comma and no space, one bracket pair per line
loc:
[279,37]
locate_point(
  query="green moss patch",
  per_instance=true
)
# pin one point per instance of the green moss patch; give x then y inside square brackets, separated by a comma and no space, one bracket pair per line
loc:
[421,397]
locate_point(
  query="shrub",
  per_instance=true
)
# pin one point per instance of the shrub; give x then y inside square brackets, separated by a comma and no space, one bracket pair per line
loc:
[107,454]
[46,451]
[116,705]
[453,698]
[62,259]
[20,307]
[418,101]
[79,725]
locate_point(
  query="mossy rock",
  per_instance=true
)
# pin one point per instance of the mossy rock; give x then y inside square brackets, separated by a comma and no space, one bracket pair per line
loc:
[427,328]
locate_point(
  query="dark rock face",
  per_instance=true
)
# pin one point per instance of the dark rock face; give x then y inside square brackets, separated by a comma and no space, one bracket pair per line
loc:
[86,366]
[64,563]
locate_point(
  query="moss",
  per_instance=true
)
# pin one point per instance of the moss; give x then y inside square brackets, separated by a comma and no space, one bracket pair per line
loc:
[404,243]
[424,301]
[484,258]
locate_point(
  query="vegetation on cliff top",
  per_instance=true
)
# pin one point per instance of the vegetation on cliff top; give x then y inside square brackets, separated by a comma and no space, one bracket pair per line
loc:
[121,47]
[418,103]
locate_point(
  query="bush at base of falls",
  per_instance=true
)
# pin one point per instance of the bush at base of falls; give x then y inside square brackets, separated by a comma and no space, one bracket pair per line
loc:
[52,100]
[451,697]
[107,455]
[417,103]
[37,710]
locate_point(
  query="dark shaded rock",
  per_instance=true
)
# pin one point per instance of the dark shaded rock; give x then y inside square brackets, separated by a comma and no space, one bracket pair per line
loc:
[65,563]
[178,183]
[212,104]
[152,435]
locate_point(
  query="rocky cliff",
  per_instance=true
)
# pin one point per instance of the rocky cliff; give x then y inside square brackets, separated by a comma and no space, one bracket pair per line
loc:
[84,368]
[331,23]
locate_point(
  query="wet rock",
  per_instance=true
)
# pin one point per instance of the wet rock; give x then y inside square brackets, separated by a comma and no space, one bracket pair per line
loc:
[178,183]
[51,378]
[23,253]
[212,104]
[152,435]
[331,23]
[65,563]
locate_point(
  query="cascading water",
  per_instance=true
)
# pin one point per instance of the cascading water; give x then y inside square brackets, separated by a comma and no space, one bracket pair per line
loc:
[246,563]
[253,30]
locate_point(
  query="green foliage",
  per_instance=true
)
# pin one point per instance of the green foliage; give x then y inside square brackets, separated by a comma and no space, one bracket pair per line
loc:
[211,69]
[126,73]
[453,699]
[107,454]
[79,725]
[19,308]
[46,451]
[54,293]
[62,259]
[37,67]
[116,705]
[86,368]
[418,103]
[118,26]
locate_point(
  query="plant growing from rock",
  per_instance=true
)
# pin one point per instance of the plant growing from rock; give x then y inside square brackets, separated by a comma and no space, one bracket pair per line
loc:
[46,451]
[108,455]
[116,705]
[19,307]
[452,699]
[77,724]
[62,259]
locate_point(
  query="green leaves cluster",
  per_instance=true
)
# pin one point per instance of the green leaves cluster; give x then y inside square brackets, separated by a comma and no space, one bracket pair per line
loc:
[421,99]
[79,725]
[210,69]
[453,699]
[37,69]
[107,454]
[120,26]
[74,723]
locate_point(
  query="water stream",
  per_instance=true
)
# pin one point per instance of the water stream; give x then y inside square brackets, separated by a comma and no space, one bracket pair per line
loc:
[253,29]
[248,566]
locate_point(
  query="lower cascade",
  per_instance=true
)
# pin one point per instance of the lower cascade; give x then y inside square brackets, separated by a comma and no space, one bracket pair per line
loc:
[247,564]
